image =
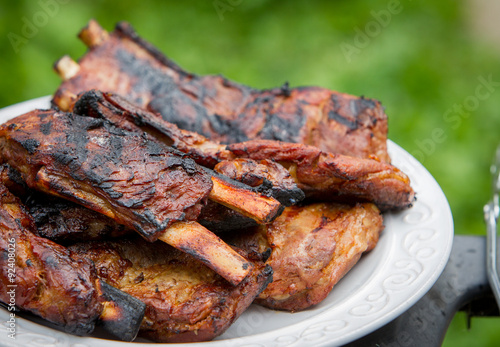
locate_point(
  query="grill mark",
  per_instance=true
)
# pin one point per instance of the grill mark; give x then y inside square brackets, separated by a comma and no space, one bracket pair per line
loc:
[286,130]
[361,104]
[148,79]
[30,145]
[333,115]
[46,128]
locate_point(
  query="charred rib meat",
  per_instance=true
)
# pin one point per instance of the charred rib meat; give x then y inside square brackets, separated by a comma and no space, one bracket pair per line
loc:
[265,176]
[334,177]
[57,219]
[66,222]
[186,302]
[52,282]
[123,63]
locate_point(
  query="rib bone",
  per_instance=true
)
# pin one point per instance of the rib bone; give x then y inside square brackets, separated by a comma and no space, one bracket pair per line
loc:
[93,34]
[260,208]
[200,242]
[66,67]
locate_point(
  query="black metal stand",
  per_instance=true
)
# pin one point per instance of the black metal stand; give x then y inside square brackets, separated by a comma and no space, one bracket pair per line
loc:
[463,285]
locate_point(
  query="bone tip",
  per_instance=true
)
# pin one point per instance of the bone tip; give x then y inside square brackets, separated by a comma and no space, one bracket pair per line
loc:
[93,34]
[66,67]
[64,100]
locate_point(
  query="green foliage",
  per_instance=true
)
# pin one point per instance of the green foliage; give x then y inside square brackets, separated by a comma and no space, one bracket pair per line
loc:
[423,61]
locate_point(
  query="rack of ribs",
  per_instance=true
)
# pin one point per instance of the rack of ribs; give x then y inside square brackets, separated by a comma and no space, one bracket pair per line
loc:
[146,186]
[319,174]
[222,110]
[56,284]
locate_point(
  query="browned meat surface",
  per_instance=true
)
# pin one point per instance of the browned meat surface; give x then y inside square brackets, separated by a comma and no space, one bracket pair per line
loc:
[312,248]
[319,174]
[216,107]
[46,278]
[119,174]
[334,177]
[185,301]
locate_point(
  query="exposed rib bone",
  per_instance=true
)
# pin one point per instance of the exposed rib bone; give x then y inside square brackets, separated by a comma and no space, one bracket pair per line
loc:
[66,67]
[66,100]
[205,246]
[93,34]
[260,208]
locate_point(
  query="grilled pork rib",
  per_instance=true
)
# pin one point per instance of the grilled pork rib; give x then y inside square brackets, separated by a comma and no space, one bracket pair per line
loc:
[320,174]
[119,174]
[139,183]
[48,280]
[123,63]
[312,248]
[186,302]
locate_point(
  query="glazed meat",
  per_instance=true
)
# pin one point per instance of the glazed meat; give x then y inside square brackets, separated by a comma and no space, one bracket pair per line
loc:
[42,277]
[185,301]
[319,174]
[334,177]
[138,183]
[123,63]
[310,249]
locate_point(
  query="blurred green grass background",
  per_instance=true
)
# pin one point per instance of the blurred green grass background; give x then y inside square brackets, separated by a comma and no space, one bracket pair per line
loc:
[423,62]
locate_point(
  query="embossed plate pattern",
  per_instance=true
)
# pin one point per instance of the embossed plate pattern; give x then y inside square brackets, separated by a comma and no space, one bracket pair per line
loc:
[408,259]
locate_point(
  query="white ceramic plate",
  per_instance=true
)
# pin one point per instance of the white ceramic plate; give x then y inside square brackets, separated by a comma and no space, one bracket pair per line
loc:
[410,256]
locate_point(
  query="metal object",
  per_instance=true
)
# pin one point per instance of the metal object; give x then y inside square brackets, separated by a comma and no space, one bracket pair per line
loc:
[491,213]
[463,286]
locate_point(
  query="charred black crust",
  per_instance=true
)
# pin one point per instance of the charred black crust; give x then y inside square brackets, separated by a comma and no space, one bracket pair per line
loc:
[285,89]
[221,125]
[278,128]
[351,124]
[266,254]
[267,272]
[15,176]
[87,103]
[288,197]
[30,145]
[361,104]
[132,310]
